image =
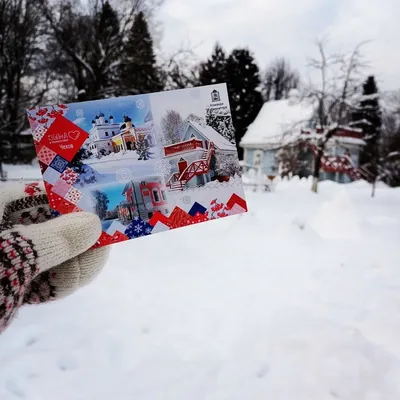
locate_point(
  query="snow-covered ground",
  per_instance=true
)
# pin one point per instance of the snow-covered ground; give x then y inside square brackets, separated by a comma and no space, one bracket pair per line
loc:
[299,299]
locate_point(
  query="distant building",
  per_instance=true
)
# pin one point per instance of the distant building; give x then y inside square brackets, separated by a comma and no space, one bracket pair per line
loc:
[282,122]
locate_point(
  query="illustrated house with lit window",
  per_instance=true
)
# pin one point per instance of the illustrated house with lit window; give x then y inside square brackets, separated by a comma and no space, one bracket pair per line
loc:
[101,134]
[126,138]
[129,134]
[142,199]
[193,160]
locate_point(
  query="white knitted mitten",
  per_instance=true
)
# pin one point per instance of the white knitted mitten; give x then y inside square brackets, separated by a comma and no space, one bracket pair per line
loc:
[43,259]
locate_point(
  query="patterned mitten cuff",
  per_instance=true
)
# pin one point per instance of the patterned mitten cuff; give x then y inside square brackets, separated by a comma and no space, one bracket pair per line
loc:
[17,269]
[43,259]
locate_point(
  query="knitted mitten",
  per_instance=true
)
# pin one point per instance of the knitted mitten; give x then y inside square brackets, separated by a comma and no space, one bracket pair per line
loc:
[43,259]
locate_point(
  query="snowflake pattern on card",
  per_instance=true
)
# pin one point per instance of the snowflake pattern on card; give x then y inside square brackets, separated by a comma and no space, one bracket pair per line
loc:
[162,167]
[74,195]
[124,175]
[46,155]
[69,176]
[39,132]
[138,228]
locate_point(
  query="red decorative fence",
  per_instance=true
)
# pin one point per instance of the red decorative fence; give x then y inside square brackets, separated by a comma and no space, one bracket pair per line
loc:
[197,167]
[191,144]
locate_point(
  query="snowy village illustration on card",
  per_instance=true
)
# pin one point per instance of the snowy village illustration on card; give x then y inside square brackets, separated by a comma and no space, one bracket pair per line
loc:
[145,163]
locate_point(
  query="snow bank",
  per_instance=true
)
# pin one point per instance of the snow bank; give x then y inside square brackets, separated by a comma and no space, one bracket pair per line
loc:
[256,306]
[23,172]
[276,120]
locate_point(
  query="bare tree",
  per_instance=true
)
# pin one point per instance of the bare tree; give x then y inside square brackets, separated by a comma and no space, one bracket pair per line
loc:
[291,161]
[279,78]
[172,127]
[389,161]
[23,80]
[88,43]
[334,94]
[180,69]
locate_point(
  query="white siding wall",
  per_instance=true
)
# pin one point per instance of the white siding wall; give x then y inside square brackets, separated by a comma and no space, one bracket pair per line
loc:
[191,131]
[104,145]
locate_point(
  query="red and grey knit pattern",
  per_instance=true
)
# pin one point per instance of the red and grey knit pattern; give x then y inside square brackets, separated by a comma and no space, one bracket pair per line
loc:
[41,289]
[17,269]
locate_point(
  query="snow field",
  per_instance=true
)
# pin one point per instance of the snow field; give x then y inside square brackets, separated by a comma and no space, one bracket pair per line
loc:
[297,299]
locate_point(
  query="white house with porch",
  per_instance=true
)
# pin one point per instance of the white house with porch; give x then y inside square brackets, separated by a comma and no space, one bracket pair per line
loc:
[193,159]
[282,122]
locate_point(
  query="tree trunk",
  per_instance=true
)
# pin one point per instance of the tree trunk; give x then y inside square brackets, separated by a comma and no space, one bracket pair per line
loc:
[373,188]
[314,187]
[317,166]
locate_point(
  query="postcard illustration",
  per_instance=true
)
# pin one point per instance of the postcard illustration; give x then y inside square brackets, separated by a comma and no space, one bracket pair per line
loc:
[145,163]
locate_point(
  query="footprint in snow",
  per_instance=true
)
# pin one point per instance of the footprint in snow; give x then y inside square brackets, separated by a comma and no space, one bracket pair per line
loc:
[262,371]
[13,387]
[67,363]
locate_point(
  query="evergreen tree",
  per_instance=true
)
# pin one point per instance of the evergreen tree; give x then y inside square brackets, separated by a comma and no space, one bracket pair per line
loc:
[221,121]
[214,69]
[243,78]
[228,165]
[368,117]
[107,36]
[76,163]
[139,71]
[101,202]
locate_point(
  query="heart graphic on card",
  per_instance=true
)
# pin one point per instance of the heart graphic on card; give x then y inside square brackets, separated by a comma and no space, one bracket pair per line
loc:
[73,135]
[64,137]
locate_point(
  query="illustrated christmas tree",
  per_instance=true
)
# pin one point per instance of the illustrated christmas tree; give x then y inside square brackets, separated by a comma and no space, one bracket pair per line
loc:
[143,148]
[101,202]
[221,121]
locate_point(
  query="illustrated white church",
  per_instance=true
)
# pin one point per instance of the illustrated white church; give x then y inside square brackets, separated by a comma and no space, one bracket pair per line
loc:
[107,136]
[101,133]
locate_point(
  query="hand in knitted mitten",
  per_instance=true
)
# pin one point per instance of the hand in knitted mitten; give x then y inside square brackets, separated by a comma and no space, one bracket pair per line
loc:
[43,259]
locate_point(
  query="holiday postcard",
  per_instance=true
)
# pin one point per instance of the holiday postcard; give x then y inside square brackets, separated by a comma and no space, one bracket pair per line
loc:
[144,164]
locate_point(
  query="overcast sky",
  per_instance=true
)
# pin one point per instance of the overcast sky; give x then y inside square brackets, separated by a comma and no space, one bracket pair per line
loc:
[272,28]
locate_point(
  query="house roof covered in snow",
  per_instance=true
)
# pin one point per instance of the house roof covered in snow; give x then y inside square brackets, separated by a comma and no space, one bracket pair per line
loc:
[277,121]
[213,136]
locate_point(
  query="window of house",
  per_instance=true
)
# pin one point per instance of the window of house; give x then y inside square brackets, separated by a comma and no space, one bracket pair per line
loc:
[106,133]
[156,195]
[164,197]
[113,133]
[258,156]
